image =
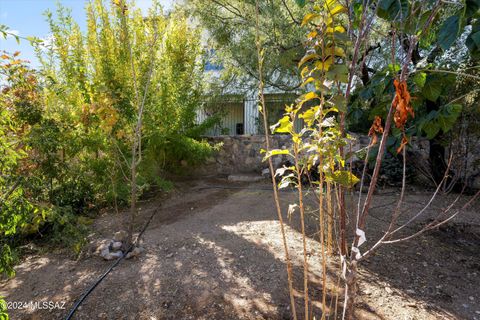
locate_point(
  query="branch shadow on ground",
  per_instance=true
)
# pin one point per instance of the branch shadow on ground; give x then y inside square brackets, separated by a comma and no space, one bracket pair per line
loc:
[219,255]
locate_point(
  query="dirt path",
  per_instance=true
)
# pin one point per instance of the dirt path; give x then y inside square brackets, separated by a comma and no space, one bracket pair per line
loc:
[214,251]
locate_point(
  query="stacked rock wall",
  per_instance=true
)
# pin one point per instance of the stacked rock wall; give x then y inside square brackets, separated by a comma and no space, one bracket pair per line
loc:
[242,154]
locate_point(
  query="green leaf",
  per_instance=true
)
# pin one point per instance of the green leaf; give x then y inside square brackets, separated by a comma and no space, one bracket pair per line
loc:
[419,79]
[473,41]
[454,109]
[344,178]
[443,119]
[472,8]
[340,102]
[432,87]
[393,10]
[300,3]
[338,72]
[448,32]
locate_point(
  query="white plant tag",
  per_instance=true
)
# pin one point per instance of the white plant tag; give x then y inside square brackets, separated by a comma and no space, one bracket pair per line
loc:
[291,210]
[361,234]
[358,255]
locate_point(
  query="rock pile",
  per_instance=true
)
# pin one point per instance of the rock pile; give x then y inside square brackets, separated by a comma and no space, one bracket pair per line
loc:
[114,248]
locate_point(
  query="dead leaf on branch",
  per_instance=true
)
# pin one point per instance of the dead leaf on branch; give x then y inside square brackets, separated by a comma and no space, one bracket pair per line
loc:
[403,108]
[402,103]
[375,128]
[402,144]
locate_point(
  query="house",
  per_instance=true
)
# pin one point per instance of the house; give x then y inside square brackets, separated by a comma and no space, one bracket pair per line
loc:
[239,113]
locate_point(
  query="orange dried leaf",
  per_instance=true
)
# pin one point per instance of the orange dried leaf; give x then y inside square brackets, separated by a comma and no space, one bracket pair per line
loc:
[402,104]
[375,128]
[402,144]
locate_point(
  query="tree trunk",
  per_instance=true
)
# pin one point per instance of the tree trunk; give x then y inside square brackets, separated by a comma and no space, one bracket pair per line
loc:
[133,196]
[351,292]
[437,158]
[437,150]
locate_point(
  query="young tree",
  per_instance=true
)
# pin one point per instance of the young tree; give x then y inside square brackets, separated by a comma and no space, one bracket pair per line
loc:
[132,85]
[337,44]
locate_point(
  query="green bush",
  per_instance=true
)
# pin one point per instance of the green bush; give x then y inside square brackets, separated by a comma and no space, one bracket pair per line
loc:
[3,309]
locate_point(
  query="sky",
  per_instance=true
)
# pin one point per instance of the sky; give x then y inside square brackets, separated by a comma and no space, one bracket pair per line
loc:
[25,18]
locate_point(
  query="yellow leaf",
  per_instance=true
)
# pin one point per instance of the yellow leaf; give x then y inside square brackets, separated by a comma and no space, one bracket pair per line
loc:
[339,29]
[337,9]
[312,34]
[336,51]
[307,97]
[330,3]
[310,115]
[296,138]
[304,71]
[307,58]
[324,65]
[310,79]
[309,17]
[284,125]
[310,96]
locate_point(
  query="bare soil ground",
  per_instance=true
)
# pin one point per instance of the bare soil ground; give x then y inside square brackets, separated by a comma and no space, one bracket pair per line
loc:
[214,251]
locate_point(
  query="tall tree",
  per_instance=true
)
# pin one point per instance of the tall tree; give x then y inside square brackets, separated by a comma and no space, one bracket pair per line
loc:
[231,29]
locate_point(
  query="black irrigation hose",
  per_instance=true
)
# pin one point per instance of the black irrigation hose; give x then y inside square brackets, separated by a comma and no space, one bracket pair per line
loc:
[92,287]
[96,283]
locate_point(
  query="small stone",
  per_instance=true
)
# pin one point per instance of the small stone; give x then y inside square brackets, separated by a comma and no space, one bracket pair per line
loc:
[102,315]
[471,298]
[117,245]
[389,291]
[105,252]
[113,255]
[135,252]
[117,254]
[169,255]
[266,172]
[120,236]
[139,250]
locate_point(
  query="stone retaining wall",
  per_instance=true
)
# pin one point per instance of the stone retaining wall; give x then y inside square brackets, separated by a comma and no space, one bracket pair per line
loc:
[241,154]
